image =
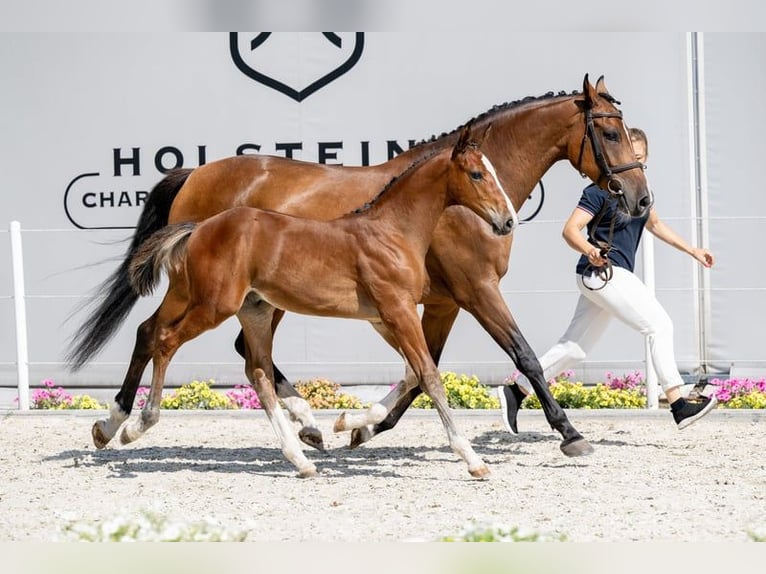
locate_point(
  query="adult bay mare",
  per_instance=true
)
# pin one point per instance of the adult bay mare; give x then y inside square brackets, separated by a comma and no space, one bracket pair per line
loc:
[368,264]
[465,261]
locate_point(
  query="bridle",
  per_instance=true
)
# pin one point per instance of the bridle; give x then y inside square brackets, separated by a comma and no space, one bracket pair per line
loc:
[613,183]
[613,186]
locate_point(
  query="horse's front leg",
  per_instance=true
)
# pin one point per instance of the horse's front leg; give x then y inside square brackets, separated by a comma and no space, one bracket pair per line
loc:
[296,405]
[437,322]
[489,308]
[104,430]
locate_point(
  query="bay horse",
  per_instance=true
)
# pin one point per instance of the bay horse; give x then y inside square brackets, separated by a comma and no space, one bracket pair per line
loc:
[368,264]
[465,261]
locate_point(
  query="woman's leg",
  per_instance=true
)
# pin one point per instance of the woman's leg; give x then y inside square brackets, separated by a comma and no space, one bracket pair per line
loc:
[626,297]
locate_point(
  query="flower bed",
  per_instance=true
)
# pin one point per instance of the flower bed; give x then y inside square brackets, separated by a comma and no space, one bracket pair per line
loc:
[463,392]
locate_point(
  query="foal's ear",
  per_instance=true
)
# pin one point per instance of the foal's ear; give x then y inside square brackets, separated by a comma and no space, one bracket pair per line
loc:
[463,141]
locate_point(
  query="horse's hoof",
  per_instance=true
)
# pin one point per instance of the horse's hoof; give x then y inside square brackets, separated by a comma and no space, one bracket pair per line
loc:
[340,423]
[481,472]
[576,447]
[360,436]
[312,437]
[125,437]
[99,438]
[308,472]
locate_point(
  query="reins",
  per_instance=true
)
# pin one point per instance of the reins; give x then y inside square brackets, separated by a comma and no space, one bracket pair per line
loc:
[604,272]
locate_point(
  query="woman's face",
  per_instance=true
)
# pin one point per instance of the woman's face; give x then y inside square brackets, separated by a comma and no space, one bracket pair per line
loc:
[639,147]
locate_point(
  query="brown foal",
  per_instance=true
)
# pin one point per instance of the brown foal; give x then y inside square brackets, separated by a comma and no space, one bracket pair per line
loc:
[368,264]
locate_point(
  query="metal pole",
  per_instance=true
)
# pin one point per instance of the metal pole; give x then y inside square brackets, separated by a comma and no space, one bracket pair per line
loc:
[699,180]
[19,304]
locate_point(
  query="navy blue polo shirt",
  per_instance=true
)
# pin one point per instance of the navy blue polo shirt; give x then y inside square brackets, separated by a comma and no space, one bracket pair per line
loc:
[627,230]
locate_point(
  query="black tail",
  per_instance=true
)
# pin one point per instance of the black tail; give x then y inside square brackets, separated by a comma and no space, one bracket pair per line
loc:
[118,295]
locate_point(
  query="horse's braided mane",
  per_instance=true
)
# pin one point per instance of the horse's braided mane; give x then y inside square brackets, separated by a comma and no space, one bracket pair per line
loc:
[394,180]
[496,109]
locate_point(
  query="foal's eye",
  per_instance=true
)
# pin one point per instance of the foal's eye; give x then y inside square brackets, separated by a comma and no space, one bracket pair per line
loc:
[477,176]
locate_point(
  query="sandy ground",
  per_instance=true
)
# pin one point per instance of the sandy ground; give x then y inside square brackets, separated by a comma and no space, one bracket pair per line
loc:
[645,481]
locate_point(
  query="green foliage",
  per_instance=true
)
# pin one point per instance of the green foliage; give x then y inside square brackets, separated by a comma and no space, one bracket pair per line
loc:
[196,395]
[575,395]
[324,394]
[147,527]
[463,392]
[482,533]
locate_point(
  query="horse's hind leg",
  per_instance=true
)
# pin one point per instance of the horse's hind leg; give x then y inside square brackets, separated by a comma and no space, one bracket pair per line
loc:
[296,405]
[104,430]
[253,317]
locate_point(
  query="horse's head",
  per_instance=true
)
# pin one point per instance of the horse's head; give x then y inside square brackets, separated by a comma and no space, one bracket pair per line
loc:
[473,183]
[604,153]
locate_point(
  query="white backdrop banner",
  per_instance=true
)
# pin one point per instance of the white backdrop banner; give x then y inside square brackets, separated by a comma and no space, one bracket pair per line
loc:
[90,122]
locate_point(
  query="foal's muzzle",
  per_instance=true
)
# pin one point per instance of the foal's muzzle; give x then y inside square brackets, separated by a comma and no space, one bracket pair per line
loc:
[504,226]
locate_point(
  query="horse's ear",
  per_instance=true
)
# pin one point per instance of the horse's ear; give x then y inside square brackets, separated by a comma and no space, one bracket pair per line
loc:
[462,140]
[589,92]
[601,86]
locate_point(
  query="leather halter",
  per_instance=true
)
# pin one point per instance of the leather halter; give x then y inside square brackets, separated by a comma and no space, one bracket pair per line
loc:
[613,183]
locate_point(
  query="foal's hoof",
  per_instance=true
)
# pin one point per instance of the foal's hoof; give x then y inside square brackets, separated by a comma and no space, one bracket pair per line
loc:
[312,437]
[481,472]
[340,423]
[360,436]
[308,472]
[576,447]
[99,438]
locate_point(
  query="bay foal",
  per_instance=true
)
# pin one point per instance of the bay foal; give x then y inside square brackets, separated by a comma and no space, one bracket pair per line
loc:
[369,265]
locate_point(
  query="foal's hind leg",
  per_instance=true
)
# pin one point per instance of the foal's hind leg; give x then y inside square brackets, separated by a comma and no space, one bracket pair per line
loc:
[257,332]
[104,430]
[295,404]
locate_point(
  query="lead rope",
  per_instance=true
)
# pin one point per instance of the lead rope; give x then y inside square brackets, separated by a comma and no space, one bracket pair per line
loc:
[604,272]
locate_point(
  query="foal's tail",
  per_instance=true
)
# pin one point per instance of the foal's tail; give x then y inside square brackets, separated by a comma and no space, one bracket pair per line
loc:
[117,295]
[166,249]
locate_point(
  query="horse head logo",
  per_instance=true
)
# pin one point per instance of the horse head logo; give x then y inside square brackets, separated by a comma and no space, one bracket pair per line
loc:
[262,57]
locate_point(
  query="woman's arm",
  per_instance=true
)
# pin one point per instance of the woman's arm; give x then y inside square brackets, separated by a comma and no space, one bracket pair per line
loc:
[662,231]
[574,237]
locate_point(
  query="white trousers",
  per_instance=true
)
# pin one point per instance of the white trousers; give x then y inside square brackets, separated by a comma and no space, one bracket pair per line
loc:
[628,299]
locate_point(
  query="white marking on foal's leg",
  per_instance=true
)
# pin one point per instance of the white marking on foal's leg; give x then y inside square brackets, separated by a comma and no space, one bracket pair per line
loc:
[291,448]
[300,411]
[136,428]
[105,429]
[347,421]
[464,450]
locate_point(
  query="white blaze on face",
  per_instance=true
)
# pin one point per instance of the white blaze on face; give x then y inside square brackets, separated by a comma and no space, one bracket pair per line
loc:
[491,169]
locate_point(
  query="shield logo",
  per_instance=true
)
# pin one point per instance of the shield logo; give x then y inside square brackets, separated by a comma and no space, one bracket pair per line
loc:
[296,64]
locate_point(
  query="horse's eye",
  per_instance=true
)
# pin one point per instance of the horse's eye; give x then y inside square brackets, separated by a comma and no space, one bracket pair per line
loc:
[611,136]
[476,175]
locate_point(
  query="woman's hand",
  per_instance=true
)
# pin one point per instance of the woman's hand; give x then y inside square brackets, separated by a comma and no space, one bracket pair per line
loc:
[703,256]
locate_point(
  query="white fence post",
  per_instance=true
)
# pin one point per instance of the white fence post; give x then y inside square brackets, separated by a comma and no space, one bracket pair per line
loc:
[19,304]
[652,388]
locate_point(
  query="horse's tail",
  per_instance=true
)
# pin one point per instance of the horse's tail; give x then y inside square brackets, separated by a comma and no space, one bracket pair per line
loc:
[118,295]
[166,249]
